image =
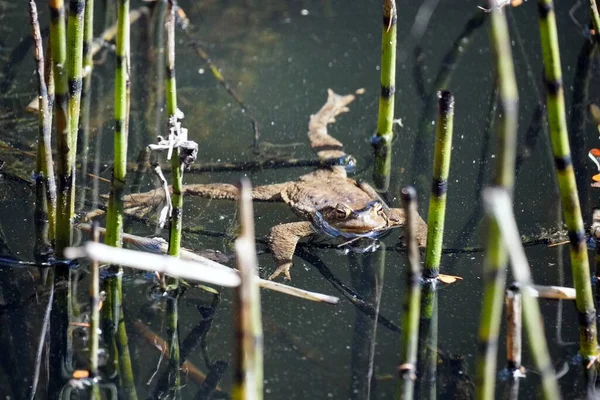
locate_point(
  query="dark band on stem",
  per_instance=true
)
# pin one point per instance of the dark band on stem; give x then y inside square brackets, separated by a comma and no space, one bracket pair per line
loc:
[120,61]
[56,13]
[386,21]
[65,181]
[61,99]
[118,125]
[562,163]
[86,49]
[170,72]
[544,9]
[387,91]
[482,345]
[176,214]
[76,8]
[445,102]
[439,187]
[576,238]
[75,85]
[587,318]
[553,86]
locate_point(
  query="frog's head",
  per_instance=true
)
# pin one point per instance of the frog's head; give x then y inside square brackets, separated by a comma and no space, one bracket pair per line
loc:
[344,219]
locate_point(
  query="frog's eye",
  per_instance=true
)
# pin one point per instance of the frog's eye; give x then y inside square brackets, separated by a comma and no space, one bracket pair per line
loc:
[342,212]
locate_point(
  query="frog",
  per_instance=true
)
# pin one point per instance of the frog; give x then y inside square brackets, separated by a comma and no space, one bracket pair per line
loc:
[326,200]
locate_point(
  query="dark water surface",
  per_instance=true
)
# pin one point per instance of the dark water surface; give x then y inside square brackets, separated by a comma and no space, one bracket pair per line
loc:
[280,57]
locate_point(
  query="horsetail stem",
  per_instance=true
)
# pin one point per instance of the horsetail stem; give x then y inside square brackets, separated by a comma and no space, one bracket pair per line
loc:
[385,120]
[177,198]
[64,159]
[566,179]
[412,302]
[44,162]
[495,259]
[439,186]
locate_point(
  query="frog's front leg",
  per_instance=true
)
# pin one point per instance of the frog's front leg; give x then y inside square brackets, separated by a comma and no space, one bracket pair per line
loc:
[282,242]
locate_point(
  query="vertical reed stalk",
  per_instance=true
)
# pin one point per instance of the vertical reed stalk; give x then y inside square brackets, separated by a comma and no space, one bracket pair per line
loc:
[497,202]
[555,103]
[116,332]
[94,334]
[44,164]
[177,199]
[382,141]
[84,121]
[75,27]
[248,375]
[495,254]
[427,359]
[114,223]
[410,318]
[514,327]
[176,165]
[439,186]
[58,35]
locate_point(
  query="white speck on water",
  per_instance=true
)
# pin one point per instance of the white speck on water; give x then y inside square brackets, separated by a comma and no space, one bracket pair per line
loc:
[377,68]
[304,12]
[493,156]
[330,64]
[272,123]
[201,71]
[462,136]
[289,59]
[221,217]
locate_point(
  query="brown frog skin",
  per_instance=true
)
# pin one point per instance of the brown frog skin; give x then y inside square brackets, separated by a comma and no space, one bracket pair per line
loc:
[326,199]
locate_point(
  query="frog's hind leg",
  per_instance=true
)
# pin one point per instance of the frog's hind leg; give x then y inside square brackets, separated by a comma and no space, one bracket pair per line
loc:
[322,143]
[231,192]
[282,242]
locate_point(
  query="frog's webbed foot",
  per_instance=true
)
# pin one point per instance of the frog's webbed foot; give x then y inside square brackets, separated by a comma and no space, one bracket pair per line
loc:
[282,242]
[322,143]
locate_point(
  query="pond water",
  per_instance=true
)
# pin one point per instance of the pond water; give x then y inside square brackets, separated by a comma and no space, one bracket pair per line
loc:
[280,57]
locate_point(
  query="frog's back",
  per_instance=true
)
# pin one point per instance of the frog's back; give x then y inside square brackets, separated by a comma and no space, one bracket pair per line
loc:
[322,189]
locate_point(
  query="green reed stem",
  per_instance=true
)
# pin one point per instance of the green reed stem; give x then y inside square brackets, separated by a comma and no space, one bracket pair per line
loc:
[427,359]
[566,180]
[382,141]
[498,204]
[65,166]
[248,375]
[117,334]
[44,163]
[75,29]
[495,258]
[439,187]
[409,341]
[177,199]
[176,166]
[83,133]
[114,223]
